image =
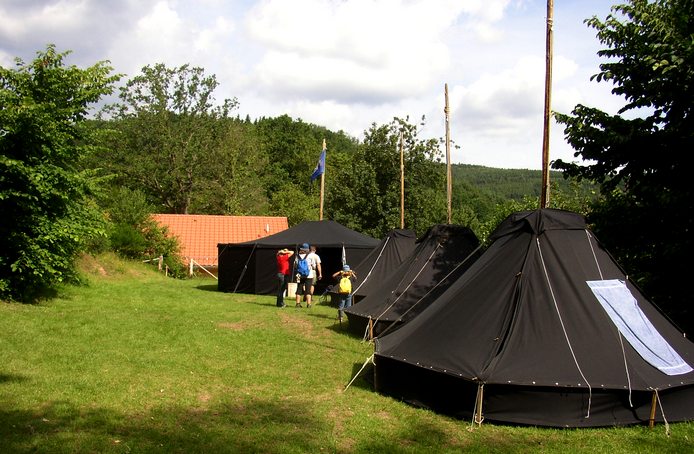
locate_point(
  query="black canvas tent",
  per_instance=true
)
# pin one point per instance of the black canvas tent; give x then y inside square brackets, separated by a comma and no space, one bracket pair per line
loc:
[397,245]
[522,337]
[250,267]
[443,253]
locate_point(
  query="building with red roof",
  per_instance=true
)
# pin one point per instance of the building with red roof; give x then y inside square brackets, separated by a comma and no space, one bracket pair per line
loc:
[199,234]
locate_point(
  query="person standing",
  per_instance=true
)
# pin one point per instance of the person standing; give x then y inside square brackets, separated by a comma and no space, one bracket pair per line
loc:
[283,277]
[316,271]
[344,277]
[303,271]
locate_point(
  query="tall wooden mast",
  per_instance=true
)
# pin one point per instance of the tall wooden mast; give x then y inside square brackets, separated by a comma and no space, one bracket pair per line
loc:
[544,200]
[322,184]
[402,181]
[449,184]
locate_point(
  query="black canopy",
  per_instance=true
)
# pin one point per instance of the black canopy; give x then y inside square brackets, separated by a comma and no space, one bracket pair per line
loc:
[442,254]
[385,258]
[250,267]
[522,337]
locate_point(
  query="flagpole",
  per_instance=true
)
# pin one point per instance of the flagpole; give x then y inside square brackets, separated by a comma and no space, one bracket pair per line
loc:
[544,200]
[402,183]
[322,184]
[449,188]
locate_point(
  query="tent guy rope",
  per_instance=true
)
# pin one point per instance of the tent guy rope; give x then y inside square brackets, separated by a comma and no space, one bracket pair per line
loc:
[561,321]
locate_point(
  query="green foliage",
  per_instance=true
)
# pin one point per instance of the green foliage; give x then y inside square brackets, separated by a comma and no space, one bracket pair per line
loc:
[237,183]
[292,148]
[645,217]
[485,196]
[366,194]
[47,214]
[290,201]
[134,234]
[172,139]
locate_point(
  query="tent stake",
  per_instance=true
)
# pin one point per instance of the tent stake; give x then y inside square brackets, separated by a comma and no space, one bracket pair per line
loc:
[654,402]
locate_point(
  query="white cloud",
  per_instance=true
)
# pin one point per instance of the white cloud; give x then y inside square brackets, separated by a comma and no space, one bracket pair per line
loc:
[346,64]
[366,50]
[60,16]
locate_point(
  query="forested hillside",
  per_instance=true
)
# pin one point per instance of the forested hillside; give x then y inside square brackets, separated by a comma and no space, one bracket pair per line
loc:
[513,184]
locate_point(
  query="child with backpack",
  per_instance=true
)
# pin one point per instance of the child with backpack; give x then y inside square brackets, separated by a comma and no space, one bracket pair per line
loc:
[345,277]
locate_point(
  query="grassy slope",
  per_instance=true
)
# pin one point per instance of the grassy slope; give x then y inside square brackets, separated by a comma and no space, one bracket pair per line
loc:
[135,362]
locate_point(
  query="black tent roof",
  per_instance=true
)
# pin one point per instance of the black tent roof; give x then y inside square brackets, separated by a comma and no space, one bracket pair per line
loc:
[397,245]
[443,253]
[522,333]
[250,267]
[319,233]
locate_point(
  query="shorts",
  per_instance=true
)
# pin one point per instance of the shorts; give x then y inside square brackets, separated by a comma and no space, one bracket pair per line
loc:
[303,286]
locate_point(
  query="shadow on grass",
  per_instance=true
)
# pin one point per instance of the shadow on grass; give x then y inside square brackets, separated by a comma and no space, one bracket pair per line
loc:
[343,328]
[256,425]
[365,378]
[209,288]
[11,378]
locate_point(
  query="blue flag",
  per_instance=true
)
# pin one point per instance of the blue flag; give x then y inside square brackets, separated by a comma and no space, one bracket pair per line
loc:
[320,167]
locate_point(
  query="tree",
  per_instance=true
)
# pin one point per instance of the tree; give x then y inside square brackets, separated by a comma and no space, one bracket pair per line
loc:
[292,148]
[237,184]
[646,216]
[171,135]
[365,195]
[47,213]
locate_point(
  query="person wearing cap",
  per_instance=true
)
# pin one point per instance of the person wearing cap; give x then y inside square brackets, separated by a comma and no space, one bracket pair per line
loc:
[344,297]
[316,271]
[283,278]
[303,283]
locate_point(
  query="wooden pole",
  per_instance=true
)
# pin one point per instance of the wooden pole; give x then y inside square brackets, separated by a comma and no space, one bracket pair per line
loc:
[544,200]
[371,329]
[402,182]
[449,187]
[322,184]
[654,402]
[479,403]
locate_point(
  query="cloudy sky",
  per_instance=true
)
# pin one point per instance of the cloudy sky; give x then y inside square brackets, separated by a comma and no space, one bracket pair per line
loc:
[346,64]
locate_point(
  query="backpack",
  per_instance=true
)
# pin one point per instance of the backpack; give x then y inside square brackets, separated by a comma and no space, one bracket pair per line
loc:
[302,266]
[345,285]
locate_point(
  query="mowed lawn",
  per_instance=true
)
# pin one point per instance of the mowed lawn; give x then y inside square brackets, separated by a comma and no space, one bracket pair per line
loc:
[134,362]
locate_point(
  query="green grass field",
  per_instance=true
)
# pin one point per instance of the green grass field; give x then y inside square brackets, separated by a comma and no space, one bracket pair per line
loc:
[136,362]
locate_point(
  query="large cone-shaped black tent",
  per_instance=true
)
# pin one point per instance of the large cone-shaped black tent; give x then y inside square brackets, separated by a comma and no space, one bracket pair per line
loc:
[522,337]
[397,245]
[250,267]
[442,254]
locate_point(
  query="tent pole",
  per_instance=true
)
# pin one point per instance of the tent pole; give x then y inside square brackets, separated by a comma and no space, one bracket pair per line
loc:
[371,328]
[245,267]
[402,183]
[544,199]
[478,404]
[449,187]
[654,403]
[322,186]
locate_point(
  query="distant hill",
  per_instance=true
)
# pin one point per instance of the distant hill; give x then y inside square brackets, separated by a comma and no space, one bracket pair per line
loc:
[505,184]
[482,188]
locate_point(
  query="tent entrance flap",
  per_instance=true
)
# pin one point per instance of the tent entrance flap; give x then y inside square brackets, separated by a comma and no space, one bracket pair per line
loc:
[623,310]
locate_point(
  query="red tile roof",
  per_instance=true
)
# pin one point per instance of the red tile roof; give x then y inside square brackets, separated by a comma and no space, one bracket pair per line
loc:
[199,234]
